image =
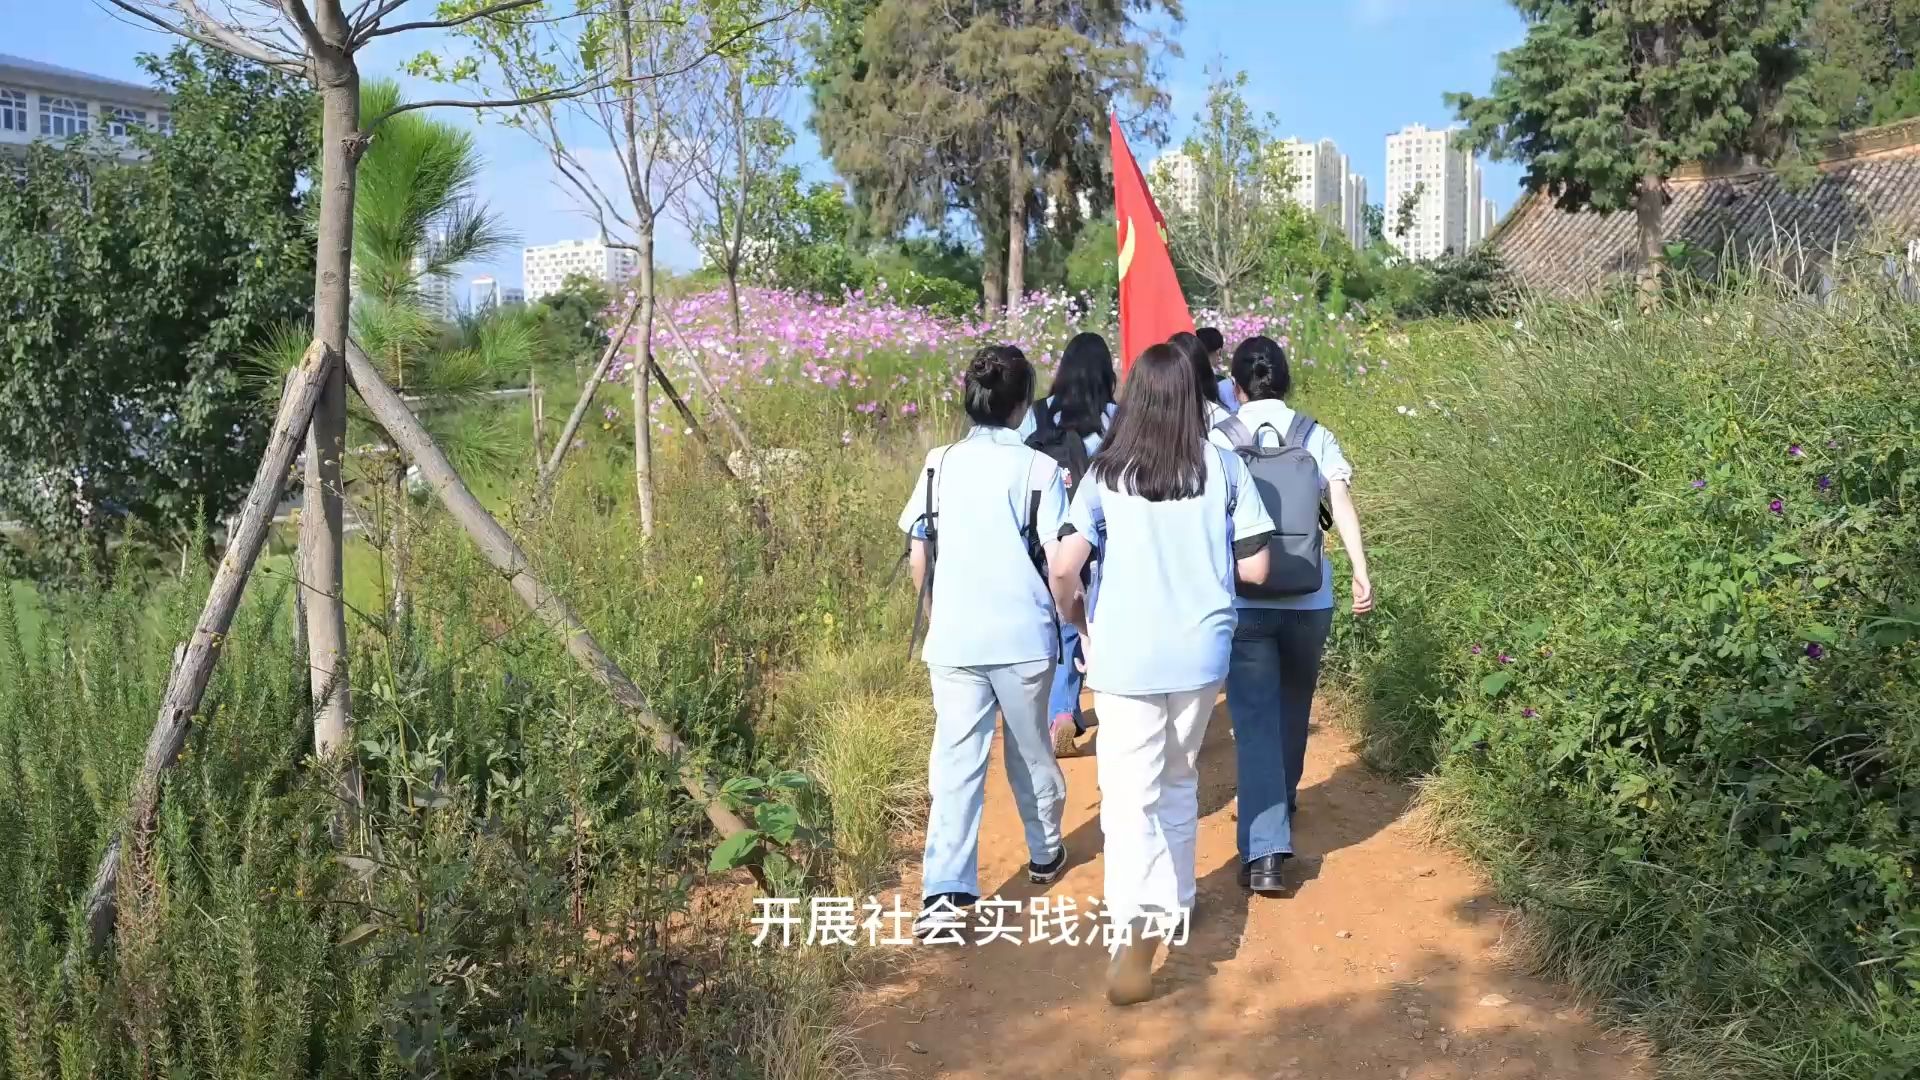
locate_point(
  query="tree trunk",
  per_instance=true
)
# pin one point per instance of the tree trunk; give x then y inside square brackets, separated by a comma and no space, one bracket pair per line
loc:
[506,556]
[733,302]
[993,277]
[193,666]
[321,535]
[638,373]
[1650,208]
[1016,228]
[552,467]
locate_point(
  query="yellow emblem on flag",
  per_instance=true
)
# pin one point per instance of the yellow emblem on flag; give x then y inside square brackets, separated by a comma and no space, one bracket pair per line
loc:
[1126,247]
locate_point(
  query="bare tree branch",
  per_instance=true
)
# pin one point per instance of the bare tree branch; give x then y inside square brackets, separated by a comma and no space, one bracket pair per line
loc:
[212,36]
[375,30]
[575,90]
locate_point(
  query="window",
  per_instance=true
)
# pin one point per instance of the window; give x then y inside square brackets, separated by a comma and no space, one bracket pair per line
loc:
[163,122]
[13,110]
[121,121]
[62,116]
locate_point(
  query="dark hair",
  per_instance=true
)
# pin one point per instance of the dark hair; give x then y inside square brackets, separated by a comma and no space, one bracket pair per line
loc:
[1083,385]
[999,381]
[1260,369]
[1159,440]
[1196,353]
[1211,338]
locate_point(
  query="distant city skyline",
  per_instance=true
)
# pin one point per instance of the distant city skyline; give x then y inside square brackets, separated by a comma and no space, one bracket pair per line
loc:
[1351,72]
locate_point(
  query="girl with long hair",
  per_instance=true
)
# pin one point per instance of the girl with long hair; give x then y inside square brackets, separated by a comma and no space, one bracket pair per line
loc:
[1176,521]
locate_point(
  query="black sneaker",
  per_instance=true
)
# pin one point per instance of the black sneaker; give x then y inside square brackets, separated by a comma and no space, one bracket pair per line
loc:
[1263,875]
[1048,873]
[943,918]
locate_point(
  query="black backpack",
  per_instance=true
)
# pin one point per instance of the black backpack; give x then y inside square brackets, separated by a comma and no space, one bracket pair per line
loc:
[1064,445]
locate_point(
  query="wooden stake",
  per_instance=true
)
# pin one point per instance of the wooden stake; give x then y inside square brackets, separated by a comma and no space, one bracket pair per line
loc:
[551,469]
[193,664]
[499,549]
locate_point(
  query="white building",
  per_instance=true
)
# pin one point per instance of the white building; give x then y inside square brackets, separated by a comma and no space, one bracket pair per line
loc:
[485,293]
[1317,173]
[1353,210]
[546,268]
[1175,178]
[1489,217]
[1445,219]
[43,101]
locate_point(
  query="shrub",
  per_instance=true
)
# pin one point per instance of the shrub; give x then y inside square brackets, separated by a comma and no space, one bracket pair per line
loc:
[1649,612]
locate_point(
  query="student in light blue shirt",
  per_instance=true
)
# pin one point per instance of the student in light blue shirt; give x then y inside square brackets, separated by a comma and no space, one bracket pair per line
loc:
[1206,390]
[982,515]
[1079,405]
[1279,641]
[1216,343]
[1082,393]
[1175,521]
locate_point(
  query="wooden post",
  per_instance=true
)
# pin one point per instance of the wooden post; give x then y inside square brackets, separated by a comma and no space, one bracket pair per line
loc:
[552,467]
[193,664]
[499,549]
[533,397]
[754,503]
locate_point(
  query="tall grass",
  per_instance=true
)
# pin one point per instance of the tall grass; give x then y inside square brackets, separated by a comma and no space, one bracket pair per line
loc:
[1650,614]
[527,893]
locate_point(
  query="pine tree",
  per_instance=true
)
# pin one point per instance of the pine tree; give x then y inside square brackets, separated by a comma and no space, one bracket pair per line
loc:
[1605,98]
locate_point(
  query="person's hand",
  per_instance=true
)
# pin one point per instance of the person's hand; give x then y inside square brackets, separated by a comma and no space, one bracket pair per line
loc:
[1362,593]
[1086,653]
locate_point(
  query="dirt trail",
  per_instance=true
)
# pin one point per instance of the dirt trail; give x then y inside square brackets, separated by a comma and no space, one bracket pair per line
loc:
[1381,964]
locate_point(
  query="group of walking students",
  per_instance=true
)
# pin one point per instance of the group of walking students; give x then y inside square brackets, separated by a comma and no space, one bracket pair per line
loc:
[1155,547]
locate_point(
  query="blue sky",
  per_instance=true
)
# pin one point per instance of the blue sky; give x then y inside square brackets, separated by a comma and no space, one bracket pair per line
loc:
[1349,70]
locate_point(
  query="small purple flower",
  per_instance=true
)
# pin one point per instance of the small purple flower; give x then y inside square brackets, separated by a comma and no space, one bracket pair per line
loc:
[1529,712]
[1824,482]
[1833,444]
[1505,659]
[1699,483]
[1474,649]
[1794,450]
[1814,651]
[909,409]
[1777,506]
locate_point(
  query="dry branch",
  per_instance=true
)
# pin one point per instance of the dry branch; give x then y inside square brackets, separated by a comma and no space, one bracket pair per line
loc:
[551,468]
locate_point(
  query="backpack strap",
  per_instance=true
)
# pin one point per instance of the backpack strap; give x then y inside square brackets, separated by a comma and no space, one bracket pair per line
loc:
[1236,431]
[1226,473]
[1298,429]
[929,518]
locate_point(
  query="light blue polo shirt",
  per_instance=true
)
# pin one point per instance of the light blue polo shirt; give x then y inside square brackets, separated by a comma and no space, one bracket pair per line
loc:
[1229,395]
[1258,415]
[990,604]
[1163,620]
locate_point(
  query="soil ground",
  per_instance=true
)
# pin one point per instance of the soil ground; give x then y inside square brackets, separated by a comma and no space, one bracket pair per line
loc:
[1384,961]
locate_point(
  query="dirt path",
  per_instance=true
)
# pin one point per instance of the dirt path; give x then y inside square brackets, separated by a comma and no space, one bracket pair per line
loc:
[1381,964]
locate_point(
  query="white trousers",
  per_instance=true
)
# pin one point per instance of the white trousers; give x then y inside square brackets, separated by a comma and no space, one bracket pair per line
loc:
[1150,798]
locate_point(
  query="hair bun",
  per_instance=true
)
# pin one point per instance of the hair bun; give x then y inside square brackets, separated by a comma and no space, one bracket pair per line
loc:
[987,367]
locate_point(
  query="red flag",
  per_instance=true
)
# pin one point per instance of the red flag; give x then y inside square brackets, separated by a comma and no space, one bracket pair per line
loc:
[1152,307]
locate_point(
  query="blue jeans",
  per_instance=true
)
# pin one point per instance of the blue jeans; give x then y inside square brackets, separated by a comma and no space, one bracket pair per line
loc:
[1270,683]
[965,701]
[1064,700]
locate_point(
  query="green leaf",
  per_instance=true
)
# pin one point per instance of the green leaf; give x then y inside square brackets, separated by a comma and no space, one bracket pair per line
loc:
[735,851]
[1496,682]
[1818,632]
[359,934]
[791,780]
[778,820]
[1786,558]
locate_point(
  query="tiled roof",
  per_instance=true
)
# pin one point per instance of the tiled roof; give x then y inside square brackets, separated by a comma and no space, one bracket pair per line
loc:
[1868,184]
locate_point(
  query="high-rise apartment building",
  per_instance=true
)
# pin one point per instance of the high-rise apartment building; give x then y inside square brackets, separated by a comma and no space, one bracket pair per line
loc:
[486,292]
[1175,180]
[1353,210]
[546,268]
[1426,167]
[1489,217]
[43,101]
[1317,176]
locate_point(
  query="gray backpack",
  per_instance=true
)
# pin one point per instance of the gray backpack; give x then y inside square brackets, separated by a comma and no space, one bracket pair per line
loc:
[1289,483]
